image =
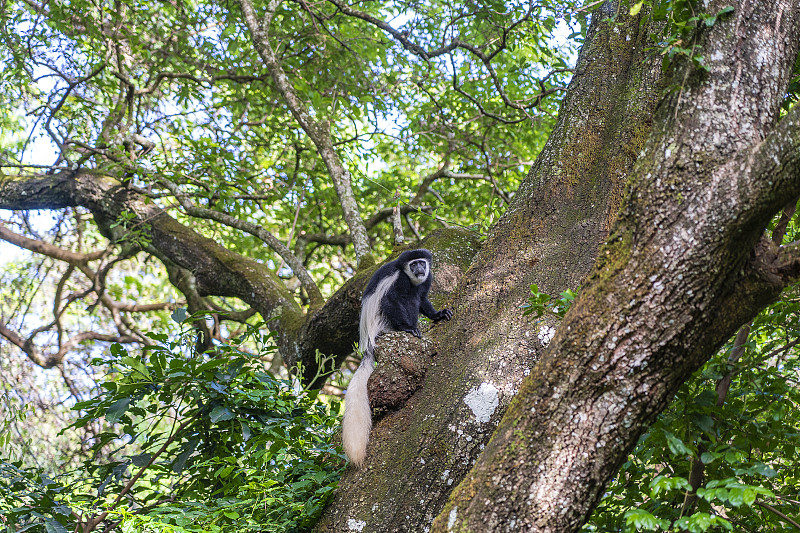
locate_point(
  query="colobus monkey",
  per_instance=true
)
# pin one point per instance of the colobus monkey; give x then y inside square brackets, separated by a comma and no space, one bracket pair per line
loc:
[395,296]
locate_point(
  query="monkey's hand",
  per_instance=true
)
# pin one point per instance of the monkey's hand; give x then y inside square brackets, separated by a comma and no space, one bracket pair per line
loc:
[414,332]
[444,314]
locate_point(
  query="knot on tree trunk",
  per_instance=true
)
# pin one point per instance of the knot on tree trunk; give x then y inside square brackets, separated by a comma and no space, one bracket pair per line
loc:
[402,362]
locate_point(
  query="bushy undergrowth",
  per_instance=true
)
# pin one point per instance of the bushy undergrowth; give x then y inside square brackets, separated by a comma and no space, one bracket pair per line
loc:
[198,442]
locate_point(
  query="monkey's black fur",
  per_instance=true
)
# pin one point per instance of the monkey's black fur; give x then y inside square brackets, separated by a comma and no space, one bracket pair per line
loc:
[395,296]
[404,301]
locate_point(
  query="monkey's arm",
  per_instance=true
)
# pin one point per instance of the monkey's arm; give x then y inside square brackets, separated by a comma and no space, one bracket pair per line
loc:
[427,309]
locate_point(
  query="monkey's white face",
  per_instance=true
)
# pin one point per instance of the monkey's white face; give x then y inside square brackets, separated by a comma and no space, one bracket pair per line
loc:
[417,270]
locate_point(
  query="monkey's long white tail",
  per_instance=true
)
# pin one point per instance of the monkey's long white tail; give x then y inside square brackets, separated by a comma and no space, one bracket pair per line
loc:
[357,421]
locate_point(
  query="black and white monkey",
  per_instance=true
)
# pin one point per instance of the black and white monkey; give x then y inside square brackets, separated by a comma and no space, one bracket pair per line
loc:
[395,296]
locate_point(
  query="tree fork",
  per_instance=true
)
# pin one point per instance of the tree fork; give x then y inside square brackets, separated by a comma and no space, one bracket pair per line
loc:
[549,236]
[688,242]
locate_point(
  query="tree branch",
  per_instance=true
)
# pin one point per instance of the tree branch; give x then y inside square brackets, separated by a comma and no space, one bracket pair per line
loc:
[43,248]
[216,270]
[294,263]
[778,513]
[54,359]
[775,166]
[318,131]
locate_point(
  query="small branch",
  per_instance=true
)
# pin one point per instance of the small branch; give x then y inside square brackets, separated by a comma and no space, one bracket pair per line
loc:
[401,37]
[428,180]
[724,384]
[41,247]
[786,216]
[343,239]
[412,227]
[397,226]
[294,263]
[778,513]
[52,360]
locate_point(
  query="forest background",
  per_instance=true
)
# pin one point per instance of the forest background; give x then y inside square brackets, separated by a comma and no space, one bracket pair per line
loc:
[194,194]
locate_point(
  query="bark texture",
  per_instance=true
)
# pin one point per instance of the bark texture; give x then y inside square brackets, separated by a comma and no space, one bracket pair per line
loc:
[686,264]
[550,236]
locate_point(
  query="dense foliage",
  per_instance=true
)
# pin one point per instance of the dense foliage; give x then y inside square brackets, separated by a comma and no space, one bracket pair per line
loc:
[169,425]
[189,443]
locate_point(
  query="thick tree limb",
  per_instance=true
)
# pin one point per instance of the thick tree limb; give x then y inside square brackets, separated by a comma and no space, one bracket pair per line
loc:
[215,269]
[318,131]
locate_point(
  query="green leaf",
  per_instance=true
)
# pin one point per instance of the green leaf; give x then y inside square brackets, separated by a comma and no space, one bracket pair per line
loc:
[704,422]
[636,8]
[707,457]
[141,460]
[180,462]
[643,520]
[117,409]
[51,526]
[179,315]
[221,413]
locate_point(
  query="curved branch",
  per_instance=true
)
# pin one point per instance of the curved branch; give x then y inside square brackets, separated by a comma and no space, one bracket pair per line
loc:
[41,247]
[294,263]
[54,359]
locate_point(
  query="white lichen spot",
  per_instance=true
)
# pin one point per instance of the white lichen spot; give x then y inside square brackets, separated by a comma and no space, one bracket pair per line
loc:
[526,372]
[421,460]
[356,525]
[451,519]
[546,334]
[445,474]
[483,401]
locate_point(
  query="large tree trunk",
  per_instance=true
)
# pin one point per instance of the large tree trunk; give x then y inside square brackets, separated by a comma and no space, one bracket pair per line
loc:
[686,264]
[549,236]
[683,268]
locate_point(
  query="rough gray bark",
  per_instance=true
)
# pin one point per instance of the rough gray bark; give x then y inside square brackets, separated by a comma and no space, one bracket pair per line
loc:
[686,264]
[549,236]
